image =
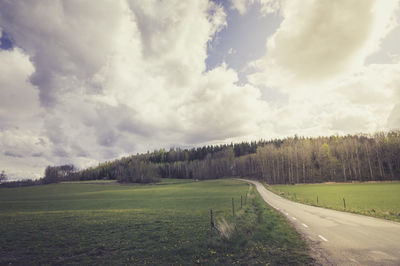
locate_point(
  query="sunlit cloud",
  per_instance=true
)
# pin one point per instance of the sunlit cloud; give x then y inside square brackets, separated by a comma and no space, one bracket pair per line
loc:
[87,82]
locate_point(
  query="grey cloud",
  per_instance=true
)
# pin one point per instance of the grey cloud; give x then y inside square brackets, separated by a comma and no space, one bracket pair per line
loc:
[13,154]
[61,43]
[41,142]
[54,130]
[60,152]
[106,137]
[167,33]
[116,78]
[137,128]
[79,151]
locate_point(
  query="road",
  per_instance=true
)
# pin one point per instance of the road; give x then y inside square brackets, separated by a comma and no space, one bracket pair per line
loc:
[340,238]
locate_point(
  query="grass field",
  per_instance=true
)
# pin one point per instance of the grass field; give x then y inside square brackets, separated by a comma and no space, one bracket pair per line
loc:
[374,199]
[165,224]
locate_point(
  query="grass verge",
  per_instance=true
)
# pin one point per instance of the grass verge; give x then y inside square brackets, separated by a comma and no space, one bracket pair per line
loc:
[381,200]
[257,235]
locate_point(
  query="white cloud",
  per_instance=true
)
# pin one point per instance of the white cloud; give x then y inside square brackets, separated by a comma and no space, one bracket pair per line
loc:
[228,110]
[97,80]
[18,98]
[115,78]
[266,6]
[20,117]
[317,57]
[319,41]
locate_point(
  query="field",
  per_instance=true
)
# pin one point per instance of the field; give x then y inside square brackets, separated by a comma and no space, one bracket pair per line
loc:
[374,199]
[162,224]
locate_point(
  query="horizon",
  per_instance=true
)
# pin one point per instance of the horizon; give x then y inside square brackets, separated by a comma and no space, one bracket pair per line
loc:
[84,83]
[188,148]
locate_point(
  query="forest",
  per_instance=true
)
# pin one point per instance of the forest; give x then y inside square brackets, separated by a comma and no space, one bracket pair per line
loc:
[291,160]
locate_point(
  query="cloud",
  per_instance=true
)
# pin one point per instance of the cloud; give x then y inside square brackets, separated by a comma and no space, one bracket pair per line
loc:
[18,98]
[266,6]
[62,40]
[319,41]
[225,108]
[364,102]
[12,154]
[317,58]
[115,78]
[393,121]
[88,82]
[20,116]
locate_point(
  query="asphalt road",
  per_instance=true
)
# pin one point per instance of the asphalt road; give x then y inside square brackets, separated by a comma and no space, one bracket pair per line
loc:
[340,238]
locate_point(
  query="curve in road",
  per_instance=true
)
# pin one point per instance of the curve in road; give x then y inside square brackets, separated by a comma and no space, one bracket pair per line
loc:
[340,238]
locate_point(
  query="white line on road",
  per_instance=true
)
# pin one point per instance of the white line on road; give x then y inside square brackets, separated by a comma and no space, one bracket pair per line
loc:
[306,226]
[323,238]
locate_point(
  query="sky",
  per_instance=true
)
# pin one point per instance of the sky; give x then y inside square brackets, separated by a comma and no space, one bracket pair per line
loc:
[83,82]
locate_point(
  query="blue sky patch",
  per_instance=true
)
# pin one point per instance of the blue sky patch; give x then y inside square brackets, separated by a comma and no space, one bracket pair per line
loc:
[5,41]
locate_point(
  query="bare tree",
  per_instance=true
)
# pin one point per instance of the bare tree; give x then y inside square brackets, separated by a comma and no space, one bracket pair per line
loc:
[3,176]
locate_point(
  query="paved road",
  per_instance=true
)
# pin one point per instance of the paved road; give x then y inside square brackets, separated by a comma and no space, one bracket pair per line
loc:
[340,238]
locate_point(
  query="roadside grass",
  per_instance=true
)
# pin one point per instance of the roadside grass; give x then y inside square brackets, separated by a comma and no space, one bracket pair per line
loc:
[87,224]
[258,236]
[380,200]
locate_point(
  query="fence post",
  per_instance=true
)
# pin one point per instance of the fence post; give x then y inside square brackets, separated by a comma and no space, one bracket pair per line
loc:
[317,199]
[241,201]
[233,208]
[344,203]
[211,224]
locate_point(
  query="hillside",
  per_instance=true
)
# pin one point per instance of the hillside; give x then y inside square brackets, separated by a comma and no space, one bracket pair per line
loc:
[280,161]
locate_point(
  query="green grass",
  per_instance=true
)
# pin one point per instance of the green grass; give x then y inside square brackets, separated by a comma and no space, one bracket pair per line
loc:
[115,182]
[380,200]
[260,236]
[80,223]
[91,182]
[175,181]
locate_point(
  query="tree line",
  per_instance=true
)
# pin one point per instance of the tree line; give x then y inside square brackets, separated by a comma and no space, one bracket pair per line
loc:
[151,166]
[326,159]
[281,161]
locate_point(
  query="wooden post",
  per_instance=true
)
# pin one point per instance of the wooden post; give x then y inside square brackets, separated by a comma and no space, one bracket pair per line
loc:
[241,201]
[344,203]
[294,195]
[317,199]
[245,199]
[233,208]
[211,224]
